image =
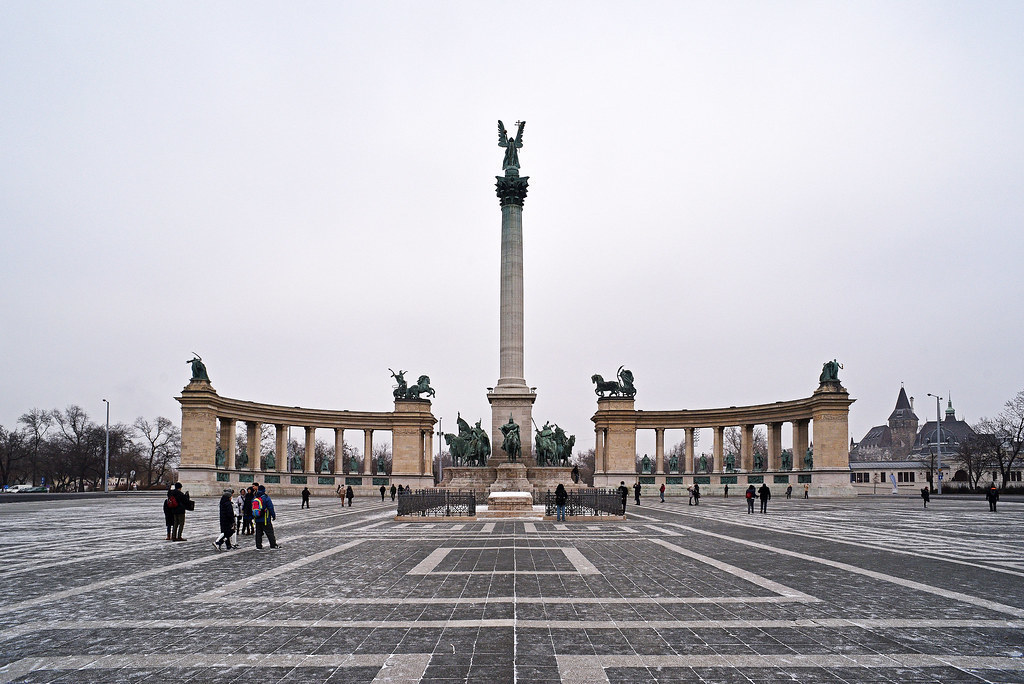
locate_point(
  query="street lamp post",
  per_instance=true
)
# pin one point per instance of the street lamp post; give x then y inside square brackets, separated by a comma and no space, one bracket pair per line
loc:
[938,437]
[106,453]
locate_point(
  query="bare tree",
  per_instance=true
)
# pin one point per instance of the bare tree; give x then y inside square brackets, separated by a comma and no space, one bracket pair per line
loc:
[586,461]
[78,444]
[1007,430]
[974,454]
[160,446]
[37,423]
[14,455]
[323,453]
[381,451]
[733,442]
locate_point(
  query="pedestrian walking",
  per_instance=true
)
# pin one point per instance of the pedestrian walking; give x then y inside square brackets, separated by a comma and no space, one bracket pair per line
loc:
[247,521]
[926,496]
[561,497]
[696,494]
[383,491]
[726,494]
[789,492]
[264,516]
[305,498]
[623,494]
[169,503]
[349,494]
[239,507]
[393,491]
[689,490]
[576,474]
[227,520]
[636,492]
[749,495]
[182,503]
[662,491]
[807,489]
[992,496]
[765,495]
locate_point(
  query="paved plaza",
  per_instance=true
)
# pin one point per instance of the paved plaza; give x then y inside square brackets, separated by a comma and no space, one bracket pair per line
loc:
[868,590]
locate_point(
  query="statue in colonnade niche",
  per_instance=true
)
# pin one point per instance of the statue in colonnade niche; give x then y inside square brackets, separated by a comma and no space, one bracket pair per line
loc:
[673,464]
[830,371]
[623,386]
[271,460]
[295,463]
[809,459]
[242,457]
[758,462]
[730,462]
[511,443]
[325,465]
[353,465]
[787,460]
[382,464]
[645,465]
[221,458]
[198,368]
[703,467]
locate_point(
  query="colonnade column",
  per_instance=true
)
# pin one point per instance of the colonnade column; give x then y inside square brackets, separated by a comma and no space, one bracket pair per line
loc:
[428,453]
[227,440]
[774,446]
[688,458]
[719,446]
[599,465]
[309,461]
[339,451]
[747,448]
[367,451]
[659,450]
[800,439]
[281,445]
[252,445]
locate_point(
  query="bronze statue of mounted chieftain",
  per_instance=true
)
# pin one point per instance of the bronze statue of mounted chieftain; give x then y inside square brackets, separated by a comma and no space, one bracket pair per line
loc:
[511,444]
[554,447]
[621,387]
[403,391]
[471,447]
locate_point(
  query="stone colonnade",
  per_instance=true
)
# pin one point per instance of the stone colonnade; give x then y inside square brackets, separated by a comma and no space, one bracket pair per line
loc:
[825,413]
[411,425]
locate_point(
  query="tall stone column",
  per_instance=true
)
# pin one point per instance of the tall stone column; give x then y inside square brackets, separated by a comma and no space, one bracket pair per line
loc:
[747,448]
[718,447]
[367,452]
[687,466]
[309,460]
[252,445]
[227,440]
[511,396]
[339,451]
[659,450]
[774,446]
[800,441]
[281,447]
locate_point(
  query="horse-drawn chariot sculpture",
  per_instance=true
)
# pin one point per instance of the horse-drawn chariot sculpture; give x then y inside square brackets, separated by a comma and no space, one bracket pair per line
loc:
[621,387]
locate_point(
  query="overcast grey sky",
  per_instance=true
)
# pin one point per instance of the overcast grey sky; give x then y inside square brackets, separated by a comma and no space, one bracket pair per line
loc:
[722,197]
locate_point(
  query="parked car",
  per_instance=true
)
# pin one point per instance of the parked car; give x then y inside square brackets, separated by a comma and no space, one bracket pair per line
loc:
[18,488]
[28,489]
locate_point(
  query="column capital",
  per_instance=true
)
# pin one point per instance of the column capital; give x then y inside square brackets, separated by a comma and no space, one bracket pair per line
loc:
[512,189]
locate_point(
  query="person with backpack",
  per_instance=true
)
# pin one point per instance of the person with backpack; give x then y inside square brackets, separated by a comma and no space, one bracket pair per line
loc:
[305,498]
[227,520]
[169,504]
[561,497]
[180,505]
[349,494]
[264,515]
[749,494]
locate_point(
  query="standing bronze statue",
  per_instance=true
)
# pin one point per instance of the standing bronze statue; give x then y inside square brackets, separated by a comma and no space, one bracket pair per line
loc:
[198,368]
[512,146]
[830,371]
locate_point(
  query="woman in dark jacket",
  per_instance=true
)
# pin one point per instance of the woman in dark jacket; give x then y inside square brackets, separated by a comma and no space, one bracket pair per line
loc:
[349,494]
[168,514]
[227,520]
[561,496]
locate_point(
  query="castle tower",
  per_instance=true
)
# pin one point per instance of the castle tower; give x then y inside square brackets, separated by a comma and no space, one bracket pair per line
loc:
[511,396]
[903,423]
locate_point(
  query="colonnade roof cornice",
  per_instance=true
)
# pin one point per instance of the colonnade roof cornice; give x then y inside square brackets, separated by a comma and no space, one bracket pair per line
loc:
[756,414]
[272,414]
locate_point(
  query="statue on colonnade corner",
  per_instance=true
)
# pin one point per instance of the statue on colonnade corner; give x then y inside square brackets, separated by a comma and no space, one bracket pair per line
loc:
[403,391]
[221,458]
[830,371]
[402,388]
[787,460]
[511,443]
[809,459]
[198,368]
[623,386]
[512,146]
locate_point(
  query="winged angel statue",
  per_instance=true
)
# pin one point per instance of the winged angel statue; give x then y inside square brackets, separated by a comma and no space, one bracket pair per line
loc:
[511,160]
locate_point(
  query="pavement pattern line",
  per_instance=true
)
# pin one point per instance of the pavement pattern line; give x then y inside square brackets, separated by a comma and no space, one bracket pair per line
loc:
[396,667]
[237,585]
[576,669]
[846,567]
[428,565]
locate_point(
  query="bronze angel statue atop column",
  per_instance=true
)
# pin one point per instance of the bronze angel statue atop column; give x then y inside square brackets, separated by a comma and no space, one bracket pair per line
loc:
[511,146]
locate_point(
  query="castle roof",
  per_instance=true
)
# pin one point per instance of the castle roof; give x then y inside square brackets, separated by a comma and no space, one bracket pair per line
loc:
[903,410]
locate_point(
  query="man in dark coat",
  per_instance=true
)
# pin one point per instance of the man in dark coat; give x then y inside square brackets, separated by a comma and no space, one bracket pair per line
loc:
[561,498]
[636,492]
[393,491]
[250,494]
[696,494]
[992,496]
[764,494]
[926,495]
[383,491]
[227,520]
[265,521]
[624,494]
[349,494]
[305,498]
[181,499]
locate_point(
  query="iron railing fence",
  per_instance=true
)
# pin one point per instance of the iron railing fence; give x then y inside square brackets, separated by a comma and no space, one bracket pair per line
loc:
[437,503]
[589,502]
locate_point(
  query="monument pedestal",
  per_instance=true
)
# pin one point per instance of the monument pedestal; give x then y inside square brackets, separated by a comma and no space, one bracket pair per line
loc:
[511,477]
